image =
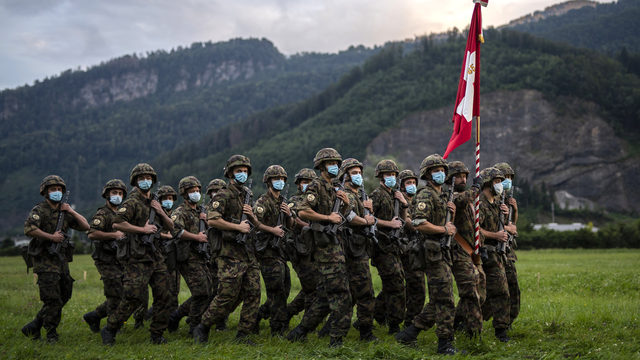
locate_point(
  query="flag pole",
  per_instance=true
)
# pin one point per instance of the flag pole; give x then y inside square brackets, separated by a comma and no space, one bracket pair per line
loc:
[477,207]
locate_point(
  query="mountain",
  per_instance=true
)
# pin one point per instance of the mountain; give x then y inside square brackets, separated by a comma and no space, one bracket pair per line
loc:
[553,10]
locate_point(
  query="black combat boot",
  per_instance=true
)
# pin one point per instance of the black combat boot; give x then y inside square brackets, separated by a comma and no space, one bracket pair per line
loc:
[406,324]
[201,333]
[356,325]
[149,314]
[222,326]
[446,348]
[326,330]
[139,324]
[279,330]
[394,329]
[174,321]
[158,339]
[501,334]
[297,334]
[459,326]
[93,320]
[52,336]
[108,336]
[336,342]
[192,326]
[366,333]
[33,328]
[409,335]
[243,338]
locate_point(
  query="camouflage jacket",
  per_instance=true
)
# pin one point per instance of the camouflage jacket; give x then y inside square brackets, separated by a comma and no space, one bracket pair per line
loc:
[227,205]
[430,205]
[383,204]
[465,218]
[319,197]
[293,205]
[45,218]
[135,211]
[103,221]
[267,210]
[355,205]
[186,219]
[489,216]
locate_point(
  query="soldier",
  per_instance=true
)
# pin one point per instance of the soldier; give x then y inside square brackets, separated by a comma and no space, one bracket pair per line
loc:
[428,216]
[333,294]
[191,261]
[145,264]
[104,238]
[467,270]
[273,265]
[494,266]
[391,301]
[510,268]
[306,269]
[214,186]
[416,290]
[54,280]
[238,270]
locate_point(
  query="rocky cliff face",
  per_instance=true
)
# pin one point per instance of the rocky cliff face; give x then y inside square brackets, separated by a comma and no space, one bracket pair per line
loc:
[572,150]
[555,10]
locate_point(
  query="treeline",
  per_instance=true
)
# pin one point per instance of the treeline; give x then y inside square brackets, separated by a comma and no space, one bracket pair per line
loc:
[617,235]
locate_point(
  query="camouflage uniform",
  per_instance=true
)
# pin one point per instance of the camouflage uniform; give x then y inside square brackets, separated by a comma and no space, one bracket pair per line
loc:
[273,266]
[416,289]
[391,301]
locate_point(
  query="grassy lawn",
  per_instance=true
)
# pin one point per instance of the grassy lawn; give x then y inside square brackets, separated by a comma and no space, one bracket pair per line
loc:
[586,304]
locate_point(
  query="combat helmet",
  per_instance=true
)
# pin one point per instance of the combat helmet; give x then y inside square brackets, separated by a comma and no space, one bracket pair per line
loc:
[406,175]
[274,171]
[489,174]
[348,164]
[167,190]
[188,182]
[52,180]
[236,160]
[506,169]
[430,162]
[215,185]
[306,174]
[114,184]
[386,165]
[457,167]
[142,169]
[326,154]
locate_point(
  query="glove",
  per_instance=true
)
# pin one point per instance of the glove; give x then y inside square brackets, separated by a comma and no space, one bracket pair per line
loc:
[477,183]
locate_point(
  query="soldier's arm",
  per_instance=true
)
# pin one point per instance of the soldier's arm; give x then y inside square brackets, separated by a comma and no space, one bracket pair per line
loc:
[428,228]
[101,235]
[167,223]
[82,225]
[41,235]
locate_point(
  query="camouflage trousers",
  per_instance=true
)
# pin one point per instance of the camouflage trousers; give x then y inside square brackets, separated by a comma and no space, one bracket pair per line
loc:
[482,286]
[415,292]
[196,275]
[514,290]
[497,303]
[467,279]
[361,288]
[307,272]
[111,276]
[441,309]
[391,301]
[55,291]
[277,281]
[237,281]
[138,276]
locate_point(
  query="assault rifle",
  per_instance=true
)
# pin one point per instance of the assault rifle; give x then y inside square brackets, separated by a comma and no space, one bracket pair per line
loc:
[203,248]
[512,238]
[501,248]
[241,238]
[445,240]
[332,229]
[147,239]
[395,234]
[281,221]
[54,249]
[371,230]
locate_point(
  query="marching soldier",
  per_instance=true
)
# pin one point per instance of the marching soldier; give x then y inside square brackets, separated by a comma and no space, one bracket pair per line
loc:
[391,301]
[104,238]
[145,264]
[54,280]
[429,211]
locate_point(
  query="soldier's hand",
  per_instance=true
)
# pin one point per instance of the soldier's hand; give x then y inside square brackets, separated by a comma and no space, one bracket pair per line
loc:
[57,237]
[202,237]
[368,205]
[203,216]
[277,231]
[505,209]
[156,206]
[343,196]
[285,209]
[244,226]
[398,195]
[502,236]
[335,218]
[451,207]
[65,207]
[511,229]
[165,236]
[396,223]
[118,235]
[450,229]
[513,203]
[148,228]
[370,219]
[247,209]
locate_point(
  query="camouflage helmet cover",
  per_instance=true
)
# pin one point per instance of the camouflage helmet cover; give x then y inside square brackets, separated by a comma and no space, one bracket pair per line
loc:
[405,175]
[306,174]
[216,184]
[326,154]
[167,190]
[505,168]
[457,167]
[386,165]
[430,162]
[274,171]
[234,161]
[142,169]
[489,174]
[348,164]
[187,183]
[52,180]
[114,184]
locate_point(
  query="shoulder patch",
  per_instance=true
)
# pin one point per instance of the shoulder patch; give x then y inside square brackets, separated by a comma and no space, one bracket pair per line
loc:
[35,217]
[122,209]
[215,204]
[422,206]
[260,209]
[96,222]
[174,217]
[310,197]
[290,205]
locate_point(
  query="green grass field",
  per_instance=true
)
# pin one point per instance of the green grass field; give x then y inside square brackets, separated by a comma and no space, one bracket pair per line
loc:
[586,304]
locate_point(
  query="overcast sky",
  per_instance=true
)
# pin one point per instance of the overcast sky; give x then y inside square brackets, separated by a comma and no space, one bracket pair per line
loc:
[39,38]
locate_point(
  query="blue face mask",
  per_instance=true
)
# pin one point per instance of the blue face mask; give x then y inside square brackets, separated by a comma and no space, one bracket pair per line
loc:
[240,177]
[167,204]
[333,169]
[438,177]
[390,181]
[304,187]
[411,189]
[506,184]
[55,196]
[278,184]
[356,179]
[145,184]
[194,197]
[115,199]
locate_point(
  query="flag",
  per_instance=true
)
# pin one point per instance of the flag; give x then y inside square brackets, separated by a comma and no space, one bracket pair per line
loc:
[468,99]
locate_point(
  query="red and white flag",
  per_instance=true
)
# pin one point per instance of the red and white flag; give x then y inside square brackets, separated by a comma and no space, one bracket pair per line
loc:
[468,99]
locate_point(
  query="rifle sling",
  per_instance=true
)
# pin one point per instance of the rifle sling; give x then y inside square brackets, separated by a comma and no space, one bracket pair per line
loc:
[465,245]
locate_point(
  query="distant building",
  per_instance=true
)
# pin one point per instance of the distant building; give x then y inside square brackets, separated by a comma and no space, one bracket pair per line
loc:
[564,227]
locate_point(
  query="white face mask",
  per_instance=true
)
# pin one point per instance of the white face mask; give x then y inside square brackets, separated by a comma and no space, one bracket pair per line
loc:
[194,197]
[497,188]
[115,199]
